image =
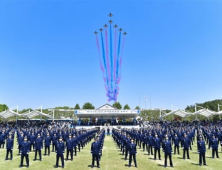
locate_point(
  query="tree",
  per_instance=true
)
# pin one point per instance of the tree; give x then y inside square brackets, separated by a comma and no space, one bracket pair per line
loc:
[126,107]
[3,107]
[25,110]
[137,108]
[212,105]
[88,105]
[117,105]
[63,107]
[77,106]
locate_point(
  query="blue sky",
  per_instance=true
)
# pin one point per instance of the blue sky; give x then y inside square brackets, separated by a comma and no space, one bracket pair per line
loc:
[49,57]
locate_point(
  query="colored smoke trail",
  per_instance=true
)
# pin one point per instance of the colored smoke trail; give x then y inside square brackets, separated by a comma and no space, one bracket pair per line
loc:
[118,53]
[104,60]
[115,56]
[110,58]
[117,67]
[114,71]
[111,61]
[100,62]
[107,54]
[121,58]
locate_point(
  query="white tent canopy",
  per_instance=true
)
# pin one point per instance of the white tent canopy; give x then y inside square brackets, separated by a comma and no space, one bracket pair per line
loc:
[178,112]
[35,113]
[206,113]
[8,113]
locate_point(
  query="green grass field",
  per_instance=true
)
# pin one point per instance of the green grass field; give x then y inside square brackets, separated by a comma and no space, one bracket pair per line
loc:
[111,160]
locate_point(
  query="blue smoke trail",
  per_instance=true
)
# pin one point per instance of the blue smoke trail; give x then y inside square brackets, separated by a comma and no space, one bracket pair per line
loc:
[117,65]
[118,53]
[104,61]
[111,62]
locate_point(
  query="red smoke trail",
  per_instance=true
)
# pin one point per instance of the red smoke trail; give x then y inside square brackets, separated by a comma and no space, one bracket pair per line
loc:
[100,62]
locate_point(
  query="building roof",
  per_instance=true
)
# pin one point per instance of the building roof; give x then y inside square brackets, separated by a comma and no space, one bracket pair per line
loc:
[106,107]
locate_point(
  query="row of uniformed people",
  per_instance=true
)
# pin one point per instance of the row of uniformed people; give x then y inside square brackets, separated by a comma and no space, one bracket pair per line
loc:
[154,141]
[213,138]
[4,134]
[126,144]
[69,145]
[80,139]
[24,142]
[146,138]
[96,148]
[185,141]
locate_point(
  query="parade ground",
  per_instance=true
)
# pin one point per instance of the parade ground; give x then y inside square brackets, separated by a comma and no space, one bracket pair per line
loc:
[112,159]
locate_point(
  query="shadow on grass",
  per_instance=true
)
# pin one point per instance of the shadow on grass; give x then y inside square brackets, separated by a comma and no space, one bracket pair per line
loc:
[54,166]
[161,165]
[195,164]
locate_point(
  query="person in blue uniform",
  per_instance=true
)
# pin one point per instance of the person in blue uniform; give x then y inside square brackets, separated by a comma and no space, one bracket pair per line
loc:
[95,152]
[20,141]
[9,147]
[47,144]
[150,144]
[201,150]
[214,145]
[60,148]
[69,147]
[185,145]
[127,146]
[144,141]
[157,147]
[176,142]
[132,153]
[123,143]
[75,143]
[24,151]
[38,147]
[136,137]
[2,139]
[167,149]
[54,142]
[108,131]
[32,141]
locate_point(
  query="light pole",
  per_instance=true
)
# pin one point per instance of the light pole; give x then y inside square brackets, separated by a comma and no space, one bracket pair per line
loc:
[145,102]
[219,110]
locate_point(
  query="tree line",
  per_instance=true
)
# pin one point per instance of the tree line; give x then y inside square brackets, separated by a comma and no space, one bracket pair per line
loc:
[86,105]
[146,114]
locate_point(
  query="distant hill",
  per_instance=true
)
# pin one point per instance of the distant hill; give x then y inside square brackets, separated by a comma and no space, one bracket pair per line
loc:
[212,105]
